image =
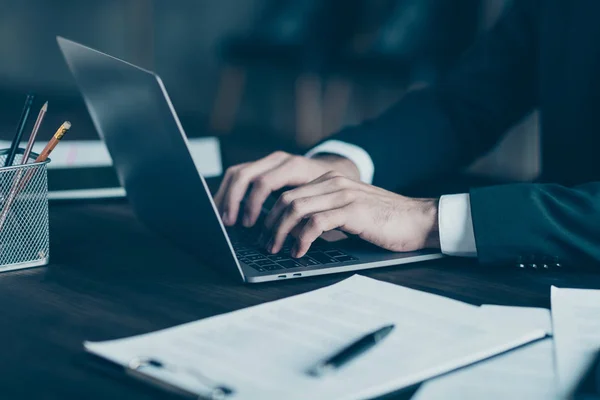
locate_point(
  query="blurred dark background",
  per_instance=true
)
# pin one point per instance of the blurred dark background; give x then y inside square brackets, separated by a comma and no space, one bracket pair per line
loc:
[260,74]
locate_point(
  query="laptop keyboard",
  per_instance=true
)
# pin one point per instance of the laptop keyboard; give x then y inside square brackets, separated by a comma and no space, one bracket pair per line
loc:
[250,252]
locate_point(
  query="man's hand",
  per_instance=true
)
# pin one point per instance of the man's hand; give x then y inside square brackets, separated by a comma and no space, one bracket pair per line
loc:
[333,201]
[268,175]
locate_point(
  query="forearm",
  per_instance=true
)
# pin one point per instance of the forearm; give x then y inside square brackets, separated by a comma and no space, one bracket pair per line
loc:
[537,223]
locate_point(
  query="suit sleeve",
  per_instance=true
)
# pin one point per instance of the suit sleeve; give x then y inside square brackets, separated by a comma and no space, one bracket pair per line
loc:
[444,127]
[541,223]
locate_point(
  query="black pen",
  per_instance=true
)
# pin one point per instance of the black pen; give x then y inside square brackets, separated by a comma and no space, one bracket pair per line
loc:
[351,351]
[14,146]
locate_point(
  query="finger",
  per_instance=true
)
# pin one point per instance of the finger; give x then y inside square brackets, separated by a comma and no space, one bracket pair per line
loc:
[339,218]
[240,180]
[287,173]
[218,198]
[303,208]
[297,229]
[327,183]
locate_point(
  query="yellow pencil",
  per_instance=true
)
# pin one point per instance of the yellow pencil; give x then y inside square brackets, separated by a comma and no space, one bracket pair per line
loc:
[64,128]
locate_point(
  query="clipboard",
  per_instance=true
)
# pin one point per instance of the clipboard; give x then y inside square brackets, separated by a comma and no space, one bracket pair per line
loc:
[138,370]
[229,355]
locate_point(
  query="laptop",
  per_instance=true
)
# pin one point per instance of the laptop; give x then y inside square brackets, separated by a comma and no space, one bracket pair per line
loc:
[133,114]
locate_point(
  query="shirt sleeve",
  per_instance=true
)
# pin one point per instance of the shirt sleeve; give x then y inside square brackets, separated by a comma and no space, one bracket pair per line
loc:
[354,153]
[456,226]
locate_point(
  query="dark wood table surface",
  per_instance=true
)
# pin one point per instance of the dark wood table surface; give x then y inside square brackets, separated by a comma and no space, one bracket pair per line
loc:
[110,277]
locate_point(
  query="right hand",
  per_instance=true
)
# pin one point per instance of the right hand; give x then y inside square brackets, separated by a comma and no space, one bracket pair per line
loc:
[269,174]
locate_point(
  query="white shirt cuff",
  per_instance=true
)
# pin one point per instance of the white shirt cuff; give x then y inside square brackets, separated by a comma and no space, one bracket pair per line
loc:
[456,226]
[354,153]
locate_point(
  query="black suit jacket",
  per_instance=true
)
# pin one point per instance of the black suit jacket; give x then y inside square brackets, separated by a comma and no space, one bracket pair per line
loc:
[542,53]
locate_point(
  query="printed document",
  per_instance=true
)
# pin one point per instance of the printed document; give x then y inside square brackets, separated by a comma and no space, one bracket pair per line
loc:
[524,373]
[576,319]
[263,352]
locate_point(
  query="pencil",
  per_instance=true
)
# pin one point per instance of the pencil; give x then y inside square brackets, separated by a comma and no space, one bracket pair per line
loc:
[20,183]
[34,132]
[10,158]
[64,128]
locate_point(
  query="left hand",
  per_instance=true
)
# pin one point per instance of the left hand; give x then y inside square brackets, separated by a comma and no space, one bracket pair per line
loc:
[332,201]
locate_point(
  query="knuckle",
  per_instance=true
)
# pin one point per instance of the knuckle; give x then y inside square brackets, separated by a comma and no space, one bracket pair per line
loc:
[231,170]
[317,221]
[296,207]
[332,174]
[278,154]
[261,182]
[286,198]
[241,174]
[347,195]
[340,181]
[295,160]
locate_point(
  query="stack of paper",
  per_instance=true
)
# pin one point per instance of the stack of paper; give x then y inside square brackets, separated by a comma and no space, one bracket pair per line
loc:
[576,318]
[264,352]
[525,373]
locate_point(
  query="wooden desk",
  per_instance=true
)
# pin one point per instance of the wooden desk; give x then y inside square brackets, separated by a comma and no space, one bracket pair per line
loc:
[110,277]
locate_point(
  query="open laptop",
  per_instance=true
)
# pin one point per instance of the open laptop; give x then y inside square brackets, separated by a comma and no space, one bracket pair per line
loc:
[132,112]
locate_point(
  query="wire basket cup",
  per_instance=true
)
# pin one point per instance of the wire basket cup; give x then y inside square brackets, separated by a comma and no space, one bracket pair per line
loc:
[24,231]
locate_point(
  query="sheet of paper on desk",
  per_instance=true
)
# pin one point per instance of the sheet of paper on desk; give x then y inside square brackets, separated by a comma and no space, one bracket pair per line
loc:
[524,373]
[264,351]
[576,319]
[93,153]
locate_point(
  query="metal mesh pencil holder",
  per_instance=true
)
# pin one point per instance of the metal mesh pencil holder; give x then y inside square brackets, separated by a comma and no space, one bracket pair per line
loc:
[24,232]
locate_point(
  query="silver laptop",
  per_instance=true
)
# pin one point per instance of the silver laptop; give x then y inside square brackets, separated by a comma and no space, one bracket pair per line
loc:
[132,112]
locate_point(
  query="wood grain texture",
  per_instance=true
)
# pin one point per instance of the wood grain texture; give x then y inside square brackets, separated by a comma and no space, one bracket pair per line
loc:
[110,277]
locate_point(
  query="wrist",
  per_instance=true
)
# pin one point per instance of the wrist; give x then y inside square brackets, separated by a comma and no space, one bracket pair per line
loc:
[431,225]
[339,164]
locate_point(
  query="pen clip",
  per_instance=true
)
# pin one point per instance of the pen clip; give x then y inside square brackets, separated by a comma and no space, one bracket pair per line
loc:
[214,390]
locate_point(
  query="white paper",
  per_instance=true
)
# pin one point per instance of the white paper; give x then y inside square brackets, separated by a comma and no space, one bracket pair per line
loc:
[264,351]
[524,373]
[93,153]
[106,193]
[576,319]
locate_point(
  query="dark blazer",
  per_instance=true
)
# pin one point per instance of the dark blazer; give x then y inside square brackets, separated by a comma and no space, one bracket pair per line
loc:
[544,54]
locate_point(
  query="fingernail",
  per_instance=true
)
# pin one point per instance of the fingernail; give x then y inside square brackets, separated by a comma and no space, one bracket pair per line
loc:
[225,217]
[294,252]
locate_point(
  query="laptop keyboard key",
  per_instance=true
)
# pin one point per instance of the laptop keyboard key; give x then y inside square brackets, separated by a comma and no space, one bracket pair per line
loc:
[263,262]
[256,267]
[345,258]
[322,257]
[271,267]
[278,257]
[256,257]
[334,253]
[307,262]
[289,264]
